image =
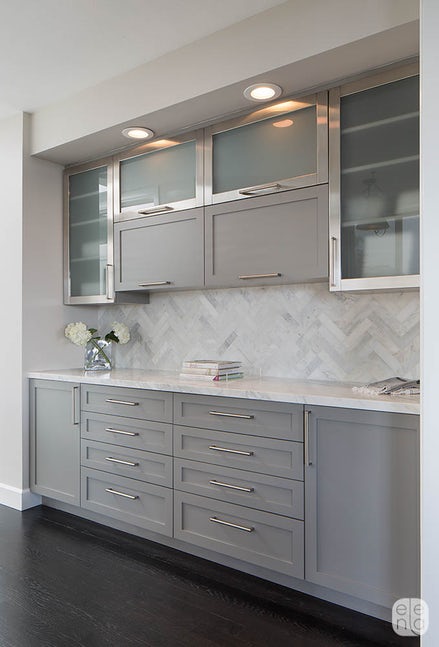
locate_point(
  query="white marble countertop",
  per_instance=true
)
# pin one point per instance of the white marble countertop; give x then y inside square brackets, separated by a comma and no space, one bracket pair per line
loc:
[330,394]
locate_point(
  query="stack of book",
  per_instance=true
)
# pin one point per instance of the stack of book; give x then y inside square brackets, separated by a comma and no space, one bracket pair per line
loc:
[213,370]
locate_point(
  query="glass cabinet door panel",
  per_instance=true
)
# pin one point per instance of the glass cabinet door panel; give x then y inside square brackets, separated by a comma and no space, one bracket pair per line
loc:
[277,148]
[380,180]
[160,177]
[88,232]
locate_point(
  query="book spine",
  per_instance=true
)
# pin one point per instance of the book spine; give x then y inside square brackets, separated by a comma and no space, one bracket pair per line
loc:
[233,376]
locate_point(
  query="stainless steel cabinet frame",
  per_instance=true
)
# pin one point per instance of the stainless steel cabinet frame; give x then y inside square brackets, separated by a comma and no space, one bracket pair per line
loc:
[337,282]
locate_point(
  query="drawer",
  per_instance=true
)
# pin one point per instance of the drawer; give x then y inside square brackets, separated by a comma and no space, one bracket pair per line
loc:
[131,403]
[269,493]
[268,540]
[268,419]
[140,504]
[276,457]
[126,432]
[133,463]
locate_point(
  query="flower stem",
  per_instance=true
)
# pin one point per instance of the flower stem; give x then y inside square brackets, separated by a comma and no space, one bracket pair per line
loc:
[100,350]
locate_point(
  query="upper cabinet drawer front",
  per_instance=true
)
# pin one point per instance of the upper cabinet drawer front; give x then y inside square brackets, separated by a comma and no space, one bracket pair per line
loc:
[275,148]
[160,176]
[263,455]
[126,432]
[268,240]
[160,252]
[260,418]
[130,403]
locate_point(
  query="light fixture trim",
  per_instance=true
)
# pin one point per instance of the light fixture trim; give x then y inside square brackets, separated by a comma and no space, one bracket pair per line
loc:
[262,92]
[138,132]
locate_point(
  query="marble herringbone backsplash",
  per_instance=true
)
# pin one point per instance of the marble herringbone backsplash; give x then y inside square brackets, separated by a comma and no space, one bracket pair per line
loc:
[297,331]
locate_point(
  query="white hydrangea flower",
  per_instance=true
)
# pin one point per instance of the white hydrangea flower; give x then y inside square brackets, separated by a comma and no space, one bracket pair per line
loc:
[78,333]
[121,331]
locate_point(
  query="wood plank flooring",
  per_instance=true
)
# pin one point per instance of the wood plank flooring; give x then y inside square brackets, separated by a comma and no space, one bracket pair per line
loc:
[67,582]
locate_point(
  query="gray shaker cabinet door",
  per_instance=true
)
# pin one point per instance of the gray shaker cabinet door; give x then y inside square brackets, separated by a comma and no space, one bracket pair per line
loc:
[55,440]
[267,240]
[163,252]
[361,504]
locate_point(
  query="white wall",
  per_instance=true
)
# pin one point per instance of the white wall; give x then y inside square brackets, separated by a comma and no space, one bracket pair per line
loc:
[430,314]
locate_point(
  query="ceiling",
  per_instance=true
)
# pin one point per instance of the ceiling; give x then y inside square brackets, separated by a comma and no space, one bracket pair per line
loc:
[51,49]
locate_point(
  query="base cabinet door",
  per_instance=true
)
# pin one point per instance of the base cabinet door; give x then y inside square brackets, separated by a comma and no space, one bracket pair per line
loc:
[55,440]
[361,504]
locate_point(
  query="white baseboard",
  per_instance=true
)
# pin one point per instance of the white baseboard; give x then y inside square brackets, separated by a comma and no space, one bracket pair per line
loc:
[18,499]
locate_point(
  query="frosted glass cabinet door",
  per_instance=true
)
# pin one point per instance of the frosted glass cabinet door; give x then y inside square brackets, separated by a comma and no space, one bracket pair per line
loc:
[375,187]
[88,233]
[275,148]
[160,176]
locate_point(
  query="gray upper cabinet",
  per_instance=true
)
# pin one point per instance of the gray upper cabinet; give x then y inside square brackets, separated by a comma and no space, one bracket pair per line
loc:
[162,252]
[268,240]
[374,181]
[161,176]
[278,147]
[55,440]
[362,503]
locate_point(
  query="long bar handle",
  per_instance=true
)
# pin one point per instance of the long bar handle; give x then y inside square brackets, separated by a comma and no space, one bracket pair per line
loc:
[270,275]
[121,462]
[153,283]
[121,432]
[225,414]
[153,210]
[230,451]
[232,487]
[333,256]
[109,279]
[261,188]
[123,494]
[129,404]
[306,415]
[75,391]
[231,525]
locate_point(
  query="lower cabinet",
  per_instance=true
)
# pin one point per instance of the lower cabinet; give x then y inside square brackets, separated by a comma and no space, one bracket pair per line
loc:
[55,440]
[362,503]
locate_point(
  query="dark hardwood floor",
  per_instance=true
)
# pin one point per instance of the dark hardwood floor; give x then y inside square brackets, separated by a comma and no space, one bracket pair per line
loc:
[67,582]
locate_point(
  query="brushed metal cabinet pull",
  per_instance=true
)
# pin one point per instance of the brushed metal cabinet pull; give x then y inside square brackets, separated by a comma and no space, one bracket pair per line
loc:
[121,462]
[306,415]
[153,210]
[332,262]
[230,451]
[232,487]
[109,280]
[126,402]
[270,275]
[231,525]
[153,283]
[75,391]
[261,188]
[122,494]
[231,415]
[121,432]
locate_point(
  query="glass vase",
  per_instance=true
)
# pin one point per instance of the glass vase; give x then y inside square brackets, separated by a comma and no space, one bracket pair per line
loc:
[97,356]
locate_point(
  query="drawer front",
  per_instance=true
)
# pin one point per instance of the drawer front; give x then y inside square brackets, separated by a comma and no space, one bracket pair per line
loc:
[141,504]
[130,403]
[269,493]
[276,457]
[268,419]
[125,432]
[268,540]
[133,463]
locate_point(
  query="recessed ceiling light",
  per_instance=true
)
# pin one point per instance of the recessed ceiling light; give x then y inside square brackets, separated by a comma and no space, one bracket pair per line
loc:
[137,132]
[262,92]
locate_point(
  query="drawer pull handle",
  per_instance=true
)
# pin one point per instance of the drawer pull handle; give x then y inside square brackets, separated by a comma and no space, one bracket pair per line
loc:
[153,210]
[153,283]
[271,275]
[128,404]
[121,432]
[230,451]
[121,462]
[261,188]
[231,525]
[230,415]
[306,414]
[132,497]
[232,487]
